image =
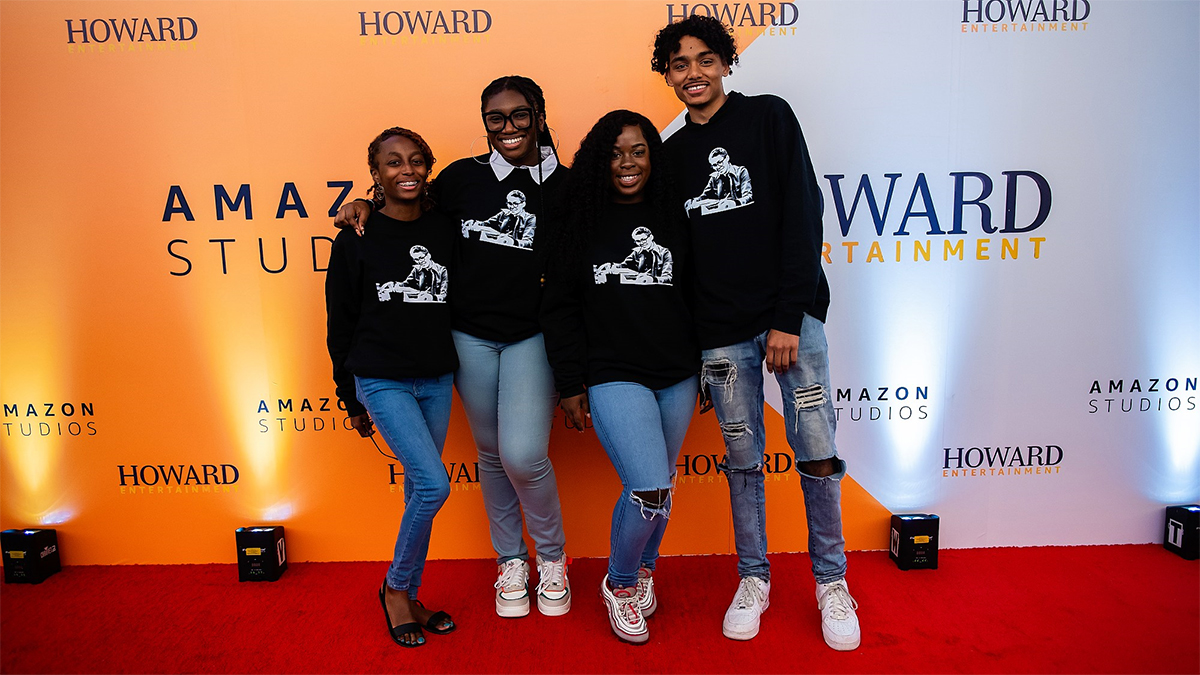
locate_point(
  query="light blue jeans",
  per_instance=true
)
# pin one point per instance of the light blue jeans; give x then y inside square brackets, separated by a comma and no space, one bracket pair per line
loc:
[507,390]
[734,377]
[412,416]
[642,431]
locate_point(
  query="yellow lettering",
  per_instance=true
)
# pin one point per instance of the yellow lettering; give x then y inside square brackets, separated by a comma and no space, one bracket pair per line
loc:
[849,250]
[826,247]
[1007,246]
[922,251]
[875,253]
[949,250]
[981,249]
[1037,246]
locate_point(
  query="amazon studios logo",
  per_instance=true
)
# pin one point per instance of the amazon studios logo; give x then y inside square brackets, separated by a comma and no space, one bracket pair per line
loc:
[132,29]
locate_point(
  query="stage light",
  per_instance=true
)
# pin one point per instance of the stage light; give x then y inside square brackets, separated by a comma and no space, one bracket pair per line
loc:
[914,541]
[262,554]
[1181,535]
[30,556]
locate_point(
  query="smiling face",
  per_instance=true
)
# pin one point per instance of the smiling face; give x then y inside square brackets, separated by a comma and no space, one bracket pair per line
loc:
[695,72]
[515,142]
[630,167]
[401,168]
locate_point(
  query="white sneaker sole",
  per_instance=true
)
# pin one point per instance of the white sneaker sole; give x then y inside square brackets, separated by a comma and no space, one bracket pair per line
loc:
[553,610]
[631,638]
[846,644]
[746,633]
[512,611]
[651,609]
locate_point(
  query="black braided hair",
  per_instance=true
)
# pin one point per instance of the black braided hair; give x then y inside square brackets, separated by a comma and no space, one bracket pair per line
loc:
[533,95]
[711,31]
[373,150]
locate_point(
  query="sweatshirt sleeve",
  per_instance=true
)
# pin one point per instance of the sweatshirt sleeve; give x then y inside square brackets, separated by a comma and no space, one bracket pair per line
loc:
[563,330]
[801,237]
[343,285]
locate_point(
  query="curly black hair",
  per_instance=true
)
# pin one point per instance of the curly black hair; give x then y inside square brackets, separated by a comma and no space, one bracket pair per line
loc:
[589,192]
[712,32]
[525,87]
[375,190]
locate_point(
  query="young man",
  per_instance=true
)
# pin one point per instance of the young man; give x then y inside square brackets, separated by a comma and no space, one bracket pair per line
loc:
[760,296]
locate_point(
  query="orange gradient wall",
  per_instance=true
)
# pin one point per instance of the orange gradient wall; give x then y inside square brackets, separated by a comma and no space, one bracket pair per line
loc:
[130,341]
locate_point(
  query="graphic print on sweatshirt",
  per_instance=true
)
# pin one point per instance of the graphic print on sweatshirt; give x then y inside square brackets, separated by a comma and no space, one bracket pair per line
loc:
[427,282]
[648,263]
[728,186]
[512,226]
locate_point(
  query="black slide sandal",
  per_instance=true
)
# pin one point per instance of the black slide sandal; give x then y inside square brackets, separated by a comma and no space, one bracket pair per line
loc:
[436,620]
[403,629]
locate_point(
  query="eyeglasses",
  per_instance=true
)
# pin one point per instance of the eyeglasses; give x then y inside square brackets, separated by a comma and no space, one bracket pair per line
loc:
[521,118]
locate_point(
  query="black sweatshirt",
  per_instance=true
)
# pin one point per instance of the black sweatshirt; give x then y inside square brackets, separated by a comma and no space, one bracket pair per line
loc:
[498,269]
[386,302]
[623,315]
[755,214]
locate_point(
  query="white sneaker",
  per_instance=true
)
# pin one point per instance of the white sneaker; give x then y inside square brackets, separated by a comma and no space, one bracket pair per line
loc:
[839,623]
[512,588]
[624,615]
[752,599]
[553,589]
[645,592]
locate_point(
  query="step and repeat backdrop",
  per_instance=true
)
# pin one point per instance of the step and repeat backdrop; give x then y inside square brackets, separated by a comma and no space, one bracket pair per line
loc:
[1011,195]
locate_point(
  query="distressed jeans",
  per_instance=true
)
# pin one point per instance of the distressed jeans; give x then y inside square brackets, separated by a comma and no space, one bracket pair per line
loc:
[412,415]
[642,431]
[734,377]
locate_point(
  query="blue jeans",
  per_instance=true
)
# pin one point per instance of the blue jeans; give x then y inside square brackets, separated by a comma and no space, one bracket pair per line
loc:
[642,431]
[507,390]
[734,376]
[412,416]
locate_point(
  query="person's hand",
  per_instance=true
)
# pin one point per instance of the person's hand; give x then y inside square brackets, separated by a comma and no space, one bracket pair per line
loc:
[578,413]
[782,349]
[705,398]
[352,214]
[363,425]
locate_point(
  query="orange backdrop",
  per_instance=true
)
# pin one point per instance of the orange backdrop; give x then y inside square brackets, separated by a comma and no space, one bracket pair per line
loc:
[134,338]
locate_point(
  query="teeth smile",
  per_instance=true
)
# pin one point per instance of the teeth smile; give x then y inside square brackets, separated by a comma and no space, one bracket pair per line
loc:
[408,184]
[628,180]
[510,141]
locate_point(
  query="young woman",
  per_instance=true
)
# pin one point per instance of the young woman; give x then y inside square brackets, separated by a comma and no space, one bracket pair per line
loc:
[393,357]
[497,202]
[619,335]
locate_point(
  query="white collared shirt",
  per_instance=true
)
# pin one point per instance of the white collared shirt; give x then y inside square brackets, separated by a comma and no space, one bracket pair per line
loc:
[502,168]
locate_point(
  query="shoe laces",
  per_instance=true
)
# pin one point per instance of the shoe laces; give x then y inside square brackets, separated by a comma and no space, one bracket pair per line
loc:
[644,581]
[749,593]
[512,574]
[552,575]
[627,605]
[837,602]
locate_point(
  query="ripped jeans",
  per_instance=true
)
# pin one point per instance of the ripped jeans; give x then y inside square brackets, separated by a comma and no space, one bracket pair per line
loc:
[734,377]
[642,431]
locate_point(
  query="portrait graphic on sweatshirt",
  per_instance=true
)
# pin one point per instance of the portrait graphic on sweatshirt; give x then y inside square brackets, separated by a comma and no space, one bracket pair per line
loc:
[728,186]
[648,263]
[512,226]
[427,282]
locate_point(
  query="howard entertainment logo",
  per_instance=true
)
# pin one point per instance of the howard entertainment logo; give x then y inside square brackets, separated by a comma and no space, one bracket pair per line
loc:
[425,22]
[177,479]
[1025,16]
[302,414]
[131,34]
[773,18]
[49,419]
[215,250]
[463,476]
[988,461]
[1143,395]
[881,404]
[1003,237]
[710,468]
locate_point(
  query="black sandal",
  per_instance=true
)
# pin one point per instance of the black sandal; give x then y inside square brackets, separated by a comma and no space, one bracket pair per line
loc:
[403,629]
[436,620]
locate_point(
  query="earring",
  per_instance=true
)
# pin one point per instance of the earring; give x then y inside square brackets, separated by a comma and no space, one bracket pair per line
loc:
[553,136]
[377,193]
[474,155]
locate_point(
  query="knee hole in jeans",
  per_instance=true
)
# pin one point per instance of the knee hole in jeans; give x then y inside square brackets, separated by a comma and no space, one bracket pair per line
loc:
[733,431]
[721,373]
[653,502]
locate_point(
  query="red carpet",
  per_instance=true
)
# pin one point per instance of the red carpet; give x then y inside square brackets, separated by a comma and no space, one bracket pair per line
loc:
[1112,609]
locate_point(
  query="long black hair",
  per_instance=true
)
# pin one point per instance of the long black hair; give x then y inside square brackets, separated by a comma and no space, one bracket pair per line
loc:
[589,191]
